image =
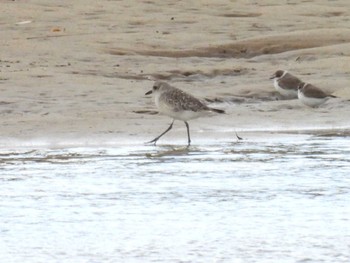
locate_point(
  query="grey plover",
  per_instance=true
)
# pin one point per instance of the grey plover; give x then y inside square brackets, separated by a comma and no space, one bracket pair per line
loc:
[312,96]
[178,105]
[286,84]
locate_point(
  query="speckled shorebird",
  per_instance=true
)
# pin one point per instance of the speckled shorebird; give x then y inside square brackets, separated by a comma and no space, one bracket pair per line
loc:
[178,105]
[312,96]
[286,84]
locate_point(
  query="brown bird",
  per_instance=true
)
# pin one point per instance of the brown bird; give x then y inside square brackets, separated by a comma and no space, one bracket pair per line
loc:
[286,84]
[312,96]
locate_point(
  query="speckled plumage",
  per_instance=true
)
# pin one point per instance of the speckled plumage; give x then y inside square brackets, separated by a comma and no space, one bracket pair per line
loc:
[180,100]
[178,105]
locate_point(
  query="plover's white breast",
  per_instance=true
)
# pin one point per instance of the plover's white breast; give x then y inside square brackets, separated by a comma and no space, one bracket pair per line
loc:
[288,93]
[310,101]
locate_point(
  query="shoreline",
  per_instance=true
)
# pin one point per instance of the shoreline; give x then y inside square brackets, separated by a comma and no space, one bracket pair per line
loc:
[175,138]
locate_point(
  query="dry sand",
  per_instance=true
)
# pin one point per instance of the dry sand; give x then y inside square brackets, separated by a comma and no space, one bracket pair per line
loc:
[75,72]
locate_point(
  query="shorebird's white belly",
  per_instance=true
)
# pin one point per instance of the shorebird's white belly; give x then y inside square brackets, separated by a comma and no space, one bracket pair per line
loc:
[288,93]
[183,115]
[186,115]
[311,102]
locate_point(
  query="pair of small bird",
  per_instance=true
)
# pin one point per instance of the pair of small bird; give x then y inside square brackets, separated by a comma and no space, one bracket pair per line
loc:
[180,105]
[292,87]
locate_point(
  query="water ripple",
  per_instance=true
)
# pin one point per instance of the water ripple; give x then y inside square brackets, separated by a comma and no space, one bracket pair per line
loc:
[259,200]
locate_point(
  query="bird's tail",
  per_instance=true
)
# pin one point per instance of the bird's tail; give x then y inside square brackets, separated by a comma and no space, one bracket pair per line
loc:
[217,110]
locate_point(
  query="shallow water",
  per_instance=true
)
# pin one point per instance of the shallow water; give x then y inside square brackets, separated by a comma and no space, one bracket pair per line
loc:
[283,199]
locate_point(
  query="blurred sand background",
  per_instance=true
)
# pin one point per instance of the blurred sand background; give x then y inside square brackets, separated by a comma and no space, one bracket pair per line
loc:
[75,72]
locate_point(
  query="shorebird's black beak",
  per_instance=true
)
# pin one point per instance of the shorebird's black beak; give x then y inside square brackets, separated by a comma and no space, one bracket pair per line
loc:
[148,92]
[273,76]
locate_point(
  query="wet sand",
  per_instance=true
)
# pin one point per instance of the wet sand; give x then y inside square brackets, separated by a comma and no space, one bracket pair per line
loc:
[76,71]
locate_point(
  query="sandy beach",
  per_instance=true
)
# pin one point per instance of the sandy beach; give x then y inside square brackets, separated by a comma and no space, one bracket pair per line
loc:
[79,183]
[75,72]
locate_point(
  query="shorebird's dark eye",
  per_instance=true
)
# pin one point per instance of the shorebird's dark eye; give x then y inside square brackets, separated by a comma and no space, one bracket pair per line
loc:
[155,87]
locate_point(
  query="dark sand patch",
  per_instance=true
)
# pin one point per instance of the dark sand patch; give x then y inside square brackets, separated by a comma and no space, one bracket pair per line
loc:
[252,47]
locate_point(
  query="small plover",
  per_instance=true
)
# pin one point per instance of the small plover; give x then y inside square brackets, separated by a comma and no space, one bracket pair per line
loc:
[178,105]
[286,84]
[312,96]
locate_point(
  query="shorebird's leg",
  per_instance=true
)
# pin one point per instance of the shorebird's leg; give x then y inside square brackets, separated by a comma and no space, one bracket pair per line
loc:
[157,138]
[238,137]
[188,133]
